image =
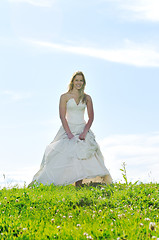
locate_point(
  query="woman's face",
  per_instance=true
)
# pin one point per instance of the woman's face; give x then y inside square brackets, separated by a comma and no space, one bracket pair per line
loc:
[78,82]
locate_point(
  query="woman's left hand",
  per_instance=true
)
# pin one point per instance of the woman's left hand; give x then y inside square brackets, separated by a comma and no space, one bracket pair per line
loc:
[82,136]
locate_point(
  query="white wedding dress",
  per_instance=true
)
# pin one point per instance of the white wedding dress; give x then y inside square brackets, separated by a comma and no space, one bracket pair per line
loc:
[66,161]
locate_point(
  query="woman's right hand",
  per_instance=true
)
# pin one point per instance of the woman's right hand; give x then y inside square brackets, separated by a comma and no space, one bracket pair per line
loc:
[70,135]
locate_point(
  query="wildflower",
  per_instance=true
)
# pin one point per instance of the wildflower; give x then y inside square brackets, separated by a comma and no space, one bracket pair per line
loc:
[118,238]
[64,216]
[63,199]
[111,210]
[70,216]
[31,208]
[78,225]
[24,229]
[147,219]
[99,197]
[100,211]
[102,188]
[152,226]
[153,237]
[52,220]
[5,198]
[89,237]
[141,224]
[17,200]
[85,234]
[58,227]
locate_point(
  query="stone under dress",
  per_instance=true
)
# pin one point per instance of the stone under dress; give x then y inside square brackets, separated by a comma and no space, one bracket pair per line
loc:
[66,161]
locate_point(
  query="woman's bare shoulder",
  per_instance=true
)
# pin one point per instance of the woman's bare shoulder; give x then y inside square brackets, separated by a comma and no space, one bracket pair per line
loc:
[64,96]
[88,97]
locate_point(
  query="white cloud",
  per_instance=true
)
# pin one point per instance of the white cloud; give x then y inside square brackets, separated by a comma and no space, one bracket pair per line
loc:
[138,9]
[140,152]
[16,96]
[38,3]
[131,53]
[19,177]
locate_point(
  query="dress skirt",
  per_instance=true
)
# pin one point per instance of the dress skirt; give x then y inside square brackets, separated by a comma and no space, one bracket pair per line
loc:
[66,161]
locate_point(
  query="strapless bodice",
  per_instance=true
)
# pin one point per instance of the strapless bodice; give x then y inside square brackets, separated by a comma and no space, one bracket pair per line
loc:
[75,112]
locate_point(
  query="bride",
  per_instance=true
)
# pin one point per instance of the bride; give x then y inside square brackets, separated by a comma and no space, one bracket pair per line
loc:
[74,155]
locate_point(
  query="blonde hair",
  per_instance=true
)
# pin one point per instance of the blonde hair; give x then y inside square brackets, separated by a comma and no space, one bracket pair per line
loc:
[82,95]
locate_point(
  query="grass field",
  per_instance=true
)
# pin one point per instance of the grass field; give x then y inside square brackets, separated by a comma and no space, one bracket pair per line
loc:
[117,211]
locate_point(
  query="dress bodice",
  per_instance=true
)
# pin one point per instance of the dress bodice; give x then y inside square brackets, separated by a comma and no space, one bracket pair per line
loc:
[75,112]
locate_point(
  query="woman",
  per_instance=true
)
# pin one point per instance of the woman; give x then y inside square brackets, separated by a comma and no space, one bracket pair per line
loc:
[74,154]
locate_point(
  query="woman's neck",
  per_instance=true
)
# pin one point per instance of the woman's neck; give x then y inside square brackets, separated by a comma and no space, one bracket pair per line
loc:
[75,92]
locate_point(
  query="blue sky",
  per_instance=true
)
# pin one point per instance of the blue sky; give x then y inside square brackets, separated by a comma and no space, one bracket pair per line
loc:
[115,44]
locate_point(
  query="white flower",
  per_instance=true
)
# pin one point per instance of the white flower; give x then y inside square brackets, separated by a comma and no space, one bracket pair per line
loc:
[78,225]
[89,237]
[85,234]
[64,216]
[58,226]
[147,219]
[52,220]
[152,226]
[24,229]
[100,211]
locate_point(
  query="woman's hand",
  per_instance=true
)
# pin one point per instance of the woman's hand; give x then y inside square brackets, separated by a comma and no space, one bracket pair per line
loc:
[82,136]
[70,135]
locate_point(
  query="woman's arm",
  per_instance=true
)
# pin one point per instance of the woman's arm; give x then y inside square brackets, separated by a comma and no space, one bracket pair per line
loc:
[90,116]
[62,113]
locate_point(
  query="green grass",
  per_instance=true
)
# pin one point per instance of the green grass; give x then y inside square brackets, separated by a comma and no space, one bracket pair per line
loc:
[118,211]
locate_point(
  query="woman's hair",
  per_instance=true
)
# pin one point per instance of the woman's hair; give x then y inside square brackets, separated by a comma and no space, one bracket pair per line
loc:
[82,95]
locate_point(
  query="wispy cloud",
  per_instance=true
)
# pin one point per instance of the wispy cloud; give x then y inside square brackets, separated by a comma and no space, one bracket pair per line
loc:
[38,3]
[19,177]
[16,96]
[131,53]
[138,9]
[139,151]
